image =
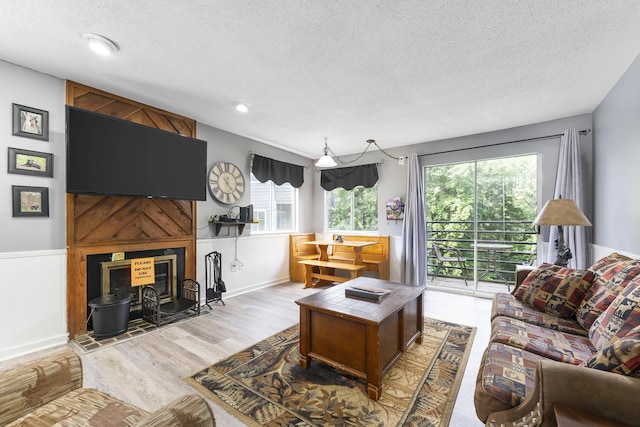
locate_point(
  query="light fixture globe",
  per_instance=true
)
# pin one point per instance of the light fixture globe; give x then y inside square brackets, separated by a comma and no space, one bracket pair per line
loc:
[100,44]
[326,161]
[329,161]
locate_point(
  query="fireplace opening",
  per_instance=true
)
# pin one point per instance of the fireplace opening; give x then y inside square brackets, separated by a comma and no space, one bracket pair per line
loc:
[120,276]
[116,279]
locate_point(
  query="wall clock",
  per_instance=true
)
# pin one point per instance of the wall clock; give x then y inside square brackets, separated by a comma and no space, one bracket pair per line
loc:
[226,182]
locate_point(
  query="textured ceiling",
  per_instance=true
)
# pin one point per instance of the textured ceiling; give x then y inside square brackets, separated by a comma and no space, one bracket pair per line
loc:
[397,71]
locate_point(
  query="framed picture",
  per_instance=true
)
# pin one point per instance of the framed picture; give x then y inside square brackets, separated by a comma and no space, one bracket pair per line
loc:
[30,122]
[27,162]
[30,201]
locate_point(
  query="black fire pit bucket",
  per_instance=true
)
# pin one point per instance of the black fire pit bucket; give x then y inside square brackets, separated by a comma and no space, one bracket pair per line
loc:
[110,315]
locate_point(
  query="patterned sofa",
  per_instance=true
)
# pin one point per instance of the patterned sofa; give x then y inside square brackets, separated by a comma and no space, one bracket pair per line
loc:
[48,391]
[564,338]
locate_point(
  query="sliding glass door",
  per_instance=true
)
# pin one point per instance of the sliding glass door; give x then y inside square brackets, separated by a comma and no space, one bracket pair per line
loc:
[479,217]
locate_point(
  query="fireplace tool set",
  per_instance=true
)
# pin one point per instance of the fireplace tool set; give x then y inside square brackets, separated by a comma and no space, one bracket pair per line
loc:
[213,276]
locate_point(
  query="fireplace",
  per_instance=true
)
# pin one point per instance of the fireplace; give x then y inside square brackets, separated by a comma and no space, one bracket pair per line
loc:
[116,279]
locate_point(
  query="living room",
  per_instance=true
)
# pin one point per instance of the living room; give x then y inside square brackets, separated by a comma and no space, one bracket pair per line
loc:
[33,250]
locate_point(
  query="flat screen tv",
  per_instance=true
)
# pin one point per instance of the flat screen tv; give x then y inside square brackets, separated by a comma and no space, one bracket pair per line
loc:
[111,156]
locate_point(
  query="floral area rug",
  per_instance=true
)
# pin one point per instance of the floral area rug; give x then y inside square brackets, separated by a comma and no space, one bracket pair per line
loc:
[264,384]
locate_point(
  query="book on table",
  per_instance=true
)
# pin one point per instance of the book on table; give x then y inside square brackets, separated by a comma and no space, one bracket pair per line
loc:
[367,292]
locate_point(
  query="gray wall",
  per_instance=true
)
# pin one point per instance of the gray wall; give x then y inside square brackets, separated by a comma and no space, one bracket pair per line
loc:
[25,87]
[391,183]
[393,177]
[616,123]
[229,147]
[609,173]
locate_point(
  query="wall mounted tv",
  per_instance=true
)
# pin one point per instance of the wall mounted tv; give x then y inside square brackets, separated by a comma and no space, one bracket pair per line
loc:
[107,155]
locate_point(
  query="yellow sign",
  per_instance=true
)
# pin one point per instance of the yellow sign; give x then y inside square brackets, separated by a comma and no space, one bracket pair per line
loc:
[142,271]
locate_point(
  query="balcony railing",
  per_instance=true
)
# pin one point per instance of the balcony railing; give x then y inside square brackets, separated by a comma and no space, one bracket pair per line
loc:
[460,234]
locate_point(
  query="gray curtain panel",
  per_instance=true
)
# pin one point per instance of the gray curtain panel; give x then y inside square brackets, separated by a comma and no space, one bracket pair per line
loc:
[266,169]
[349,178]
[569,186]
[414,233]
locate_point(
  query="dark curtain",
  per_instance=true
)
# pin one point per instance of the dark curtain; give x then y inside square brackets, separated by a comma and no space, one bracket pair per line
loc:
[266,169]
[349,178]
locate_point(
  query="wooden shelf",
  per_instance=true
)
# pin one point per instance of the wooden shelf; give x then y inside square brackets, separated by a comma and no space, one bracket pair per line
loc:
[219,224]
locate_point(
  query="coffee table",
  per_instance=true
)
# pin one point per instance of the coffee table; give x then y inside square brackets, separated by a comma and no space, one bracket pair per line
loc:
[360,337]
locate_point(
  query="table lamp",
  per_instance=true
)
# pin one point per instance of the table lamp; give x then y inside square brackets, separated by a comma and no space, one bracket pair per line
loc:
[561,212]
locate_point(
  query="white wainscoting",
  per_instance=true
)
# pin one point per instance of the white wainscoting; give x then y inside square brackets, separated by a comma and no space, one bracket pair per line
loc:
[33,287]
[598,252]
[264,258]
[395,256]
[33,307]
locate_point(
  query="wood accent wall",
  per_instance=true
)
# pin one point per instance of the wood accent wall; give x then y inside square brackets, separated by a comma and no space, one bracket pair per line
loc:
[106,224]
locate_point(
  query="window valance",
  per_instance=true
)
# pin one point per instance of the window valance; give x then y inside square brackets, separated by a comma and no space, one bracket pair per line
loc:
[266,169]
[349,178]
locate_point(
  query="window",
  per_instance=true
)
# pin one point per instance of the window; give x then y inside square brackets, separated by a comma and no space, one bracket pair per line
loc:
[355,210]
[491,201]
[275,206]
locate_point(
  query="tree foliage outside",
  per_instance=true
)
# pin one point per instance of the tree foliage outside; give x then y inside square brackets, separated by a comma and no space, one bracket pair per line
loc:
[355,210]
[501,192]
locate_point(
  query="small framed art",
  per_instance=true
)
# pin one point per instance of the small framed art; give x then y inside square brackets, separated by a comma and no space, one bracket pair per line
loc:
[30,201]
[30,122]
[26,162]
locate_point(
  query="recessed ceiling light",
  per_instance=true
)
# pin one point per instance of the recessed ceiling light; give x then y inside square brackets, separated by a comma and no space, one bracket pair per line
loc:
[100,44]
[243,107]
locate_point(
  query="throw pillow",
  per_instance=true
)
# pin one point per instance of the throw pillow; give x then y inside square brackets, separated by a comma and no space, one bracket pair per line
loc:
[608,261]
[619,318]
[543,269]
[622,356]
[609,281]
[554,289]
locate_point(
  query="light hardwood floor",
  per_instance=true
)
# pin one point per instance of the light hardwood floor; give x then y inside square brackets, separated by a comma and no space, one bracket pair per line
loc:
[147,371]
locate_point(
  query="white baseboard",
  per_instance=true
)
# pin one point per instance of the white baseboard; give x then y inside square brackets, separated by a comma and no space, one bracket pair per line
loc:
[10,353]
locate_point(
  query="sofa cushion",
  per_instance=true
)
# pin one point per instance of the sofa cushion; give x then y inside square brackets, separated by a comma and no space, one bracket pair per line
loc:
[621,356]
[609,281]
[505,379]
[554,289]
[622,315]
[83,407]
[507,305]
[550,344]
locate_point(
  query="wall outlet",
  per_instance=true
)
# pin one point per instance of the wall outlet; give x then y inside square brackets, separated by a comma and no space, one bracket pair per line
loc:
[401,161]
[232,267]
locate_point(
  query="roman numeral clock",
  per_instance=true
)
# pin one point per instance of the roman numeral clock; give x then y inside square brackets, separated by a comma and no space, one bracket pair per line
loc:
[226,182]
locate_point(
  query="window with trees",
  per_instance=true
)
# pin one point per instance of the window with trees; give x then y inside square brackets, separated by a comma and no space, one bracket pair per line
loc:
[491,200]
[275,206]
[355,210]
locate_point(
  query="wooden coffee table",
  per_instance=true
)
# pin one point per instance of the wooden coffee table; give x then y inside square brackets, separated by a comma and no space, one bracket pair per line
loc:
[360,337]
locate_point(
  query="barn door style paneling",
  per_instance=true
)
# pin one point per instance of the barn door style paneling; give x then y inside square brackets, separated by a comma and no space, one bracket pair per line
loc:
[105,224]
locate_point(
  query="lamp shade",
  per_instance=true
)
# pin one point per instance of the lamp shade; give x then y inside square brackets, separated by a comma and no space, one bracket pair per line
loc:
[326,161]
[561,212]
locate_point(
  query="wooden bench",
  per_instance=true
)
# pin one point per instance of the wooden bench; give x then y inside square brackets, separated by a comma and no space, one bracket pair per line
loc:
[327,271]
[374,257]
[300,252]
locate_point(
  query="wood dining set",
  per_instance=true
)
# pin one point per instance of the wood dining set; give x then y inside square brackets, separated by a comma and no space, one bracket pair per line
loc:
[350,255]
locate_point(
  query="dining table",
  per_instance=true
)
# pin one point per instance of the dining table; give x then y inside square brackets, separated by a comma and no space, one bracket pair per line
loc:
[491,257]
[323,246]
